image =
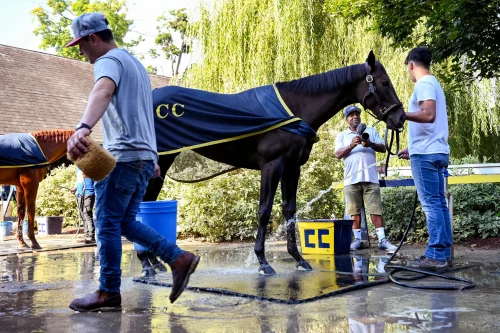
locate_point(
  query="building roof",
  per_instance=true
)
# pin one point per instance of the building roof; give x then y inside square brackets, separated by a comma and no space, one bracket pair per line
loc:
[43,91]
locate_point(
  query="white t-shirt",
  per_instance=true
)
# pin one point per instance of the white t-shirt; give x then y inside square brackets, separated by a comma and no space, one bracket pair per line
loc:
[359,158]
[428,138]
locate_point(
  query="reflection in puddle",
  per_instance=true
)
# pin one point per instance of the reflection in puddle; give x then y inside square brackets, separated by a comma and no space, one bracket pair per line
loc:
[36,290]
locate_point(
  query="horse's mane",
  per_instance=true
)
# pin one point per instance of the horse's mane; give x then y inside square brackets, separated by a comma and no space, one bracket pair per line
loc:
[53,136]
[324,82]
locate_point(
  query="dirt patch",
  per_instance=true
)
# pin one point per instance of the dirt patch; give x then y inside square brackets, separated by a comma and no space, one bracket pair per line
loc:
[490,243]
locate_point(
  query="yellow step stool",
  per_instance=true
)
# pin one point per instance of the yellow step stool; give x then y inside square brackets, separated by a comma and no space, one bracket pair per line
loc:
[324,236]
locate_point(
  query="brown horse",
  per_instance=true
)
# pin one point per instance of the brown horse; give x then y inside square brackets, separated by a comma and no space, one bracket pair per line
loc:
[279,154]
[26,179]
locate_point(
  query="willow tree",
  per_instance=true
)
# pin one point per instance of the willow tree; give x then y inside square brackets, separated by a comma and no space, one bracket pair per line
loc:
[248,43]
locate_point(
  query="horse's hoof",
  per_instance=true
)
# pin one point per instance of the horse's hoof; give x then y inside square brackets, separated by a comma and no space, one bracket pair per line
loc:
[160,267]
[266,270]
[148,272]
[36,246]
[303,266]
[24,246]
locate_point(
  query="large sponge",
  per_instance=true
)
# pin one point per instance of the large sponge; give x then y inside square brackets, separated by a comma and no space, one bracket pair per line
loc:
[97,163]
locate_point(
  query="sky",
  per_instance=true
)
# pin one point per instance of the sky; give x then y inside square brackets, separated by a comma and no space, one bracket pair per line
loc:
[16,25]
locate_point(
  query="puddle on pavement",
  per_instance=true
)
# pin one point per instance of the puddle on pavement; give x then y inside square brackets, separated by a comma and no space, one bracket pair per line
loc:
[288,284]
[35,291]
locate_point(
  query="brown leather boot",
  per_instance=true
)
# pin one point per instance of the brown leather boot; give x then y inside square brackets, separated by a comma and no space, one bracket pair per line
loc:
[182,268]
[98,301]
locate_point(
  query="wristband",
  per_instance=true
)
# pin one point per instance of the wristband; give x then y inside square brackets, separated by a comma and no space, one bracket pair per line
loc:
[83,125]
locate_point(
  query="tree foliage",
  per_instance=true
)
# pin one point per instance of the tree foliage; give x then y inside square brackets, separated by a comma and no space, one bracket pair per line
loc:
[467,31]
[248,43]
[54,23]
[292,39]
[169,25]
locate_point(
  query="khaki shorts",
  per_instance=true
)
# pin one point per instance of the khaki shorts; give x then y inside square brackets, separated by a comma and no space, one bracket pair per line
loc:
[355,194]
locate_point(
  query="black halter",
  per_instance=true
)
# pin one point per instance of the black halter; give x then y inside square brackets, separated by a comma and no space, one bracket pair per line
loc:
[372,90]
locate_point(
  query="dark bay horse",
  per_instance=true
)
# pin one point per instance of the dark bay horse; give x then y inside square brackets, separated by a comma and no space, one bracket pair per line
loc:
[27,178]
[279,154]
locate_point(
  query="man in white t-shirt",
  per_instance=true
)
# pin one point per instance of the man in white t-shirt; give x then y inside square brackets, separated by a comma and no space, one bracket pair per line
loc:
[428,151]
[360,176]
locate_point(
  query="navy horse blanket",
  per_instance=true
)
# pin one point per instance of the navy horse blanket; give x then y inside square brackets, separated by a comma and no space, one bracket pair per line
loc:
[191,118]
[20,150]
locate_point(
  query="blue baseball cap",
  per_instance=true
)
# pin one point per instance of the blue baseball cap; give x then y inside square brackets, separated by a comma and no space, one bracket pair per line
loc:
[351,108]
[86,24]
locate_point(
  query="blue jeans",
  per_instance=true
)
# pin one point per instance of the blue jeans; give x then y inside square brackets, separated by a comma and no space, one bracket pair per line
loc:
[428,174]
[118,197]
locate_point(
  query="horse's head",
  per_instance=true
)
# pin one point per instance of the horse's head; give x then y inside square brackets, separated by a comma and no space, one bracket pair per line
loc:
[377,94]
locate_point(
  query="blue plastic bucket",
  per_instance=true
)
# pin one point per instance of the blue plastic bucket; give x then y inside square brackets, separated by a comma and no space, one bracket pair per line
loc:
[5,229]
[161,216]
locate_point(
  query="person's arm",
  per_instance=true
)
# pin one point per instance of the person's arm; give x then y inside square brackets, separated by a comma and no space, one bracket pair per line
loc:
[425,94]
[375,142]
[427,113]
[341,151]
[98,103]
[378,147]
[404,154]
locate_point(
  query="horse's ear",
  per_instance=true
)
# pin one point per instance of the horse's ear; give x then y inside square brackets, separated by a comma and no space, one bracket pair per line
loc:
[371,60]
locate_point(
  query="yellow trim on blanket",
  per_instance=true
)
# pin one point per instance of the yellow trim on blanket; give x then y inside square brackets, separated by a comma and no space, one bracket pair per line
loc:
[23,166]
[201,145]
[282,101]
[39,148]
[28,165]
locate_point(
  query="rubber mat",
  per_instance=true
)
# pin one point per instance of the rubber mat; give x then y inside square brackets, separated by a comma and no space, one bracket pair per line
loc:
[287,286]
[331,275]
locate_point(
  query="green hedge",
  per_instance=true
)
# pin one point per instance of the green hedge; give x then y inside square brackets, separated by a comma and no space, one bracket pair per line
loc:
[53,200]
[225,208]
[475,212]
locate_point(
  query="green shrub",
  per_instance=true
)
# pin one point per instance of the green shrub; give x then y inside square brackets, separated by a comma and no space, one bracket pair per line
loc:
[475,209]
[397,204]
[475,212]
[52,200]
[220,209]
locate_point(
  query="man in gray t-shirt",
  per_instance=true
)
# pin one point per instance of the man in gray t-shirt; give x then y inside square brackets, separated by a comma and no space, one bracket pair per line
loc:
[122,98]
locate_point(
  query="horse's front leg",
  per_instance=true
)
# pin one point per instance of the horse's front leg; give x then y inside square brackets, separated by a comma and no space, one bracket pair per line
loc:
[269,179]
[30,192]
[289,184]
[21,213]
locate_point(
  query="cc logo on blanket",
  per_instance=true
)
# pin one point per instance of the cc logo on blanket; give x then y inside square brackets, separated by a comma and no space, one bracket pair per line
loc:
[167,106]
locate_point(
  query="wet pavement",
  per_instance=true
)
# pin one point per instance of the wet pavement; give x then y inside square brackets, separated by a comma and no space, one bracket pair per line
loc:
[36,289]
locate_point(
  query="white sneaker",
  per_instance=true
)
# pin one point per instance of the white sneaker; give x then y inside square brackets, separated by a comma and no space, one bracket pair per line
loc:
[384,244]
[356,245]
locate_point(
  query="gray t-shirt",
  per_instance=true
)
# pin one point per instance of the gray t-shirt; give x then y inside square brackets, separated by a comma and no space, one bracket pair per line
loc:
[128,123]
